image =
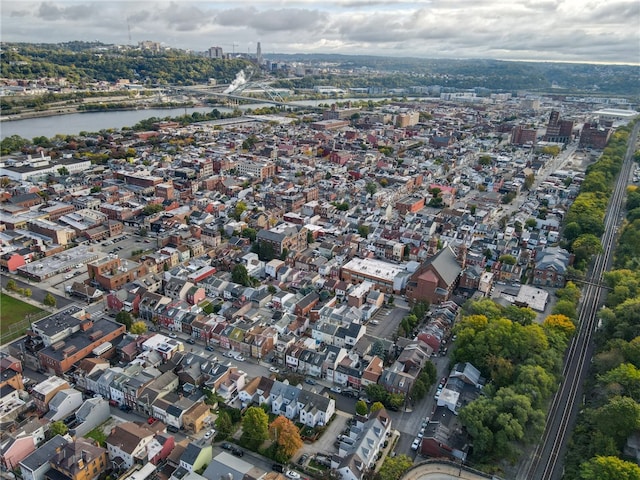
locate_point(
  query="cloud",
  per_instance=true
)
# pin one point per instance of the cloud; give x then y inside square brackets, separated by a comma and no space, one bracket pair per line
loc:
[50,11]
[572,30]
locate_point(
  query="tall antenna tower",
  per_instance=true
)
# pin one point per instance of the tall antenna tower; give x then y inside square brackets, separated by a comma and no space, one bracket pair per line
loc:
[129,30]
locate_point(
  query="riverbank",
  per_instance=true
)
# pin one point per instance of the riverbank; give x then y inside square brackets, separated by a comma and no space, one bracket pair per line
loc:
[74,109]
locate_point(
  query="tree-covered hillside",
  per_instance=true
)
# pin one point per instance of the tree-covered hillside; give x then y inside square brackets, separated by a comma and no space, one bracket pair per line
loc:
[95,62]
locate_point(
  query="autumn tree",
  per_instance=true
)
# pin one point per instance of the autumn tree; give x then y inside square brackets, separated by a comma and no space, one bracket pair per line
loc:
[394,468]
[376,406]
[255,427]
[138,327]
[609,468]
[559,323]
[287,436]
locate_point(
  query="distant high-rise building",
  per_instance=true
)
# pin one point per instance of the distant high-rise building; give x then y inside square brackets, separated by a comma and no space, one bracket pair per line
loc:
[523,136]
[559,131]
[215,52]
[259,54]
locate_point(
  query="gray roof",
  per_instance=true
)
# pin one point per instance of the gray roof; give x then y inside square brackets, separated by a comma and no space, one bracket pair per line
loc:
[44,453]
[446,264]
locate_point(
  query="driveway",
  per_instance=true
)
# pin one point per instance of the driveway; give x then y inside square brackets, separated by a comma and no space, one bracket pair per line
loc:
[325,443]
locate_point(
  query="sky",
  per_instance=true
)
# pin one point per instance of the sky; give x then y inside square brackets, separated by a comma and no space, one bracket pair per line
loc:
[588,31]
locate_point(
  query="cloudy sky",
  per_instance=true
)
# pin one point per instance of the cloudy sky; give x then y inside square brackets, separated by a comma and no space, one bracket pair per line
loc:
[603,31]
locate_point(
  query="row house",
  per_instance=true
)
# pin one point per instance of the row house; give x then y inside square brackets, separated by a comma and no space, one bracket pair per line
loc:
[348,373]
[150,303]
[157,388]
[170,409]
[261,340]
[128,444]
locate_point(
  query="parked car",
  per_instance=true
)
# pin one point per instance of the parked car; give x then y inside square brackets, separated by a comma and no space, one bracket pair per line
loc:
[151,420]
[125,408]
[336,389]
[210,348]
[173,335]
[191,341]
[227,354]
[226,446]
[237,452]
[293,475]
[277,467]
[274,370]
[209,434]
[416,444]
[303,459]
[310,381]
[173,429]
[374,322]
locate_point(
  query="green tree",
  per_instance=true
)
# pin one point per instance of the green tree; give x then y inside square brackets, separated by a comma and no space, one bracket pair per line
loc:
[27,292]
[484,160]
[394,468]
[58,428]
[377,393]
[618,418]
[255,427]
[240,275]
[151,209]
[529,181]
[609,468]
[363,230]
[138,327]
[49,300]
[623,380]
[584,247]
[375,406]
[12,285]
[63,171]
[371,188]
[361,408]
[224,425]
[566,308]
[249,233]
[125,319]
[377,349]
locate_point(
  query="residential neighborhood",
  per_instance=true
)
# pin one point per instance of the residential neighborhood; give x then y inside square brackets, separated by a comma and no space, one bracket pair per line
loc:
[261,263]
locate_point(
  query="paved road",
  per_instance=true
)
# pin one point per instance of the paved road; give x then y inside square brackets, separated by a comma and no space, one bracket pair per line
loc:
[37,292]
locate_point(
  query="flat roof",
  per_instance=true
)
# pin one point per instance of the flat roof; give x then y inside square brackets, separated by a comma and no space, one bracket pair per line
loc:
[374,268]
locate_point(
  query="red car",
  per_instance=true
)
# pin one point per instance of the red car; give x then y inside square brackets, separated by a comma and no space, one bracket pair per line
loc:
[151,420]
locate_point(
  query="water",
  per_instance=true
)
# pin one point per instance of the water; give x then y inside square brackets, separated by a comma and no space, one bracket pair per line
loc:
[95,121]
[74,123]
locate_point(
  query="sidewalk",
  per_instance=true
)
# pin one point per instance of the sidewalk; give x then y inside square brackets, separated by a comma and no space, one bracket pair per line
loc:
[28,300]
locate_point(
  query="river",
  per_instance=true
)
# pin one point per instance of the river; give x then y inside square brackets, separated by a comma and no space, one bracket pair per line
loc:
[75,123]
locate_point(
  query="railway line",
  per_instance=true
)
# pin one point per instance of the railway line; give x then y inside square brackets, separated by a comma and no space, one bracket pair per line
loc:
[548,459]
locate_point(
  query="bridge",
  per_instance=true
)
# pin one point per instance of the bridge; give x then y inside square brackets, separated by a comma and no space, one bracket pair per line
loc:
[272,96]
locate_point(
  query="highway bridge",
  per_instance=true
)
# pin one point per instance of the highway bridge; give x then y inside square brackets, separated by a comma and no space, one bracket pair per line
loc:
[237,97]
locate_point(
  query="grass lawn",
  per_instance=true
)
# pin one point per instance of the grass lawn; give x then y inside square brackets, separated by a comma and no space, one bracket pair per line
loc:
[13,311]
